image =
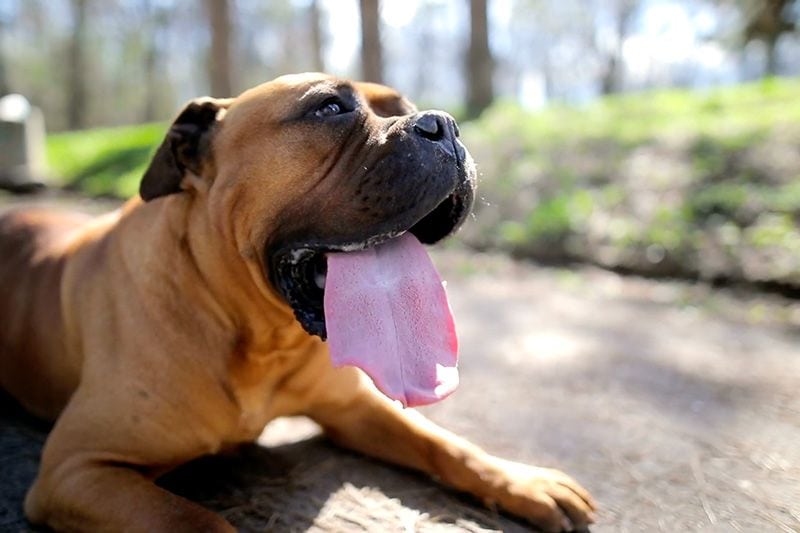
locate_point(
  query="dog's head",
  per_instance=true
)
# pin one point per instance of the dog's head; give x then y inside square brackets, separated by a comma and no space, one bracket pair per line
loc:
[311,164]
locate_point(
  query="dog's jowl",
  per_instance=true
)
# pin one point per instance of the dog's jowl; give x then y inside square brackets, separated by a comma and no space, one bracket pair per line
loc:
[273,265]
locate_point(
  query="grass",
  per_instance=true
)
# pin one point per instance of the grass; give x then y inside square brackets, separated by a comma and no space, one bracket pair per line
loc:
[107,161]
[734,113]
[699,184]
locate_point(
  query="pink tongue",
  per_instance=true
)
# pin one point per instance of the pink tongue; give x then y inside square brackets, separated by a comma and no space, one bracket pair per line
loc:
[386,312]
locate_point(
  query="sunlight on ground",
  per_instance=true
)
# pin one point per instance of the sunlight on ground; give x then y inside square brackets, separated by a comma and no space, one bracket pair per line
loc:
[549,346]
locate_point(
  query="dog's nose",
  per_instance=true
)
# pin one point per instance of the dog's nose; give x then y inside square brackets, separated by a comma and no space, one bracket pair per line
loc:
[435,126]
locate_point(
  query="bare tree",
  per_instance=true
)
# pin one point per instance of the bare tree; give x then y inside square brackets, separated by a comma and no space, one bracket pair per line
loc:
[767,20]
[762,20]
[371,50]
[4,85]
[220,71]
[612,70]
[425,41]
[479,62]
[317,36]
[156,19]
[77,75]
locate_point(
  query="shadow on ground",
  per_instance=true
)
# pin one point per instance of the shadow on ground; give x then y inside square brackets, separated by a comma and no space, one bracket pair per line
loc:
[305,485]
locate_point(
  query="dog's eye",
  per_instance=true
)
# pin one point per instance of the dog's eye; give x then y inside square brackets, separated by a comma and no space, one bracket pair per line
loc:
[329,109]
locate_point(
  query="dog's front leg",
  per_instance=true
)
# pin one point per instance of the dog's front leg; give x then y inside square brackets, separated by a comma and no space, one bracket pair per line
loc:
[97,474]
[93,495]
[365,420]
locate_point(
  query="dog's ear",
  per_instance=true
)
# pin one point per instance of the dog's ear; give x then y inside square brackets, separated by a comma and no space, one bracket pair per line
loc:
[385,101]
[186,147]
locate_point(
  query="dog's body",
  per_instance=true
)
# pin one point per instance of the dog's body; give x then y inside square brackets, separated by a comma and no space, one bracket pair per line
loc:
[156,334]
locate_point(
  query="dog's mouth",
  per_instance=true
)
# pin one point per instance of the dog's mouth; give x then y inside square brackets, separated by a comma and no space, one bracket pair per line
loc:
[299,270]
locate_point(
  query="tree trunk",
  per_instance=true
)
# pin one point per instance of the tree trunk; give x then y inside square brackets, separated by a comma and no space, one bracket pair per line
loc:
[609,81]
[612,77]
[772,56]
[153,22]
[425,40]
[371,51]
[4,86]
[480,65]
[767,22]
[76,77]
[317,36]
[219,61]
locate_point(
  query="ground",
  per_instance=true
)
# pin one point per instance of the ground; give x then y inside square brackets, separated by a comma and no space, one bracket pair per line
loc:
[676,404]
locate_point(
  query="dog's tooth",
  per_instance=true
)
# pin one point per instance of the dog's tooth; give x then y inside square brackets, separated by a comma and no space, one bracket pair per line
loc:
[319,279]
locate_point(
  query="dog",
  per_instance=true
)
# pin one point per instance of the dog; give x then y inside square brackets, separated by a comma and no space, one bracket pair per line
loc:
[182,323]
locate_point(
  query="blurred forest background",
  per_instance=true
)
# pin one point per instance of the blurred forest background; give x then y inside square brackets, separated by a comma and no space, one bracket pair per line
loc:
[655,136]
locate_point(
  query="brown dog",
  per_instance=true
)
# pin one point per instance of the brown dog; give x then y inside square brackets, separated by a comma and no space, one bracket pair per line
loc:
[182,324]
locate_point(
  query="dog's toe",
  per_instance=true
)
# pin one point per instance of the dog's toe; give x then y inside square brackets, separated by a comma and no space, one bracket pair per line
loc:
[548,498]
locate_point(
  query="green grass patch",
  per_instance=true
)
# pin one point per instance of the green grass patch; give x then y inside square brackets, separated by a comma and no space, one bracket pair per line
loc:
[672,182]
[107,161]
[634,118]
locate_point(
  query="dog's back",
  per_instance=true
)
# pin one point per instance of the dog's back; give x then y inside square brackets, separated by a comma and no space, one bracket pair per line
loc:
[31,323]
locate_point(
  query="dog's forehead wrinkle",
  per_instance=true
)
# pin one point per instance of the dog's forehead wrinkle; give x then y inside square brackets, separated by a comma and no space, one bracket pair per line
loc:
[332,158]
[328,87]
[316,89]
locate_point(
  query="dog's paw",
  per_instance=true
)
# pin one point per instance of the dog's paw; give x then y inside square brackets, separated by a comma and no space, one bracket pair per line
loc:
[547,498]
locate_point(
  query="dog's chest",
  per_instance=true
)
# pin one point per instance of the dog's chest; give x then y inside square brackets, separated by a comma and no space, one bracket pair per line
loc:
[263,392]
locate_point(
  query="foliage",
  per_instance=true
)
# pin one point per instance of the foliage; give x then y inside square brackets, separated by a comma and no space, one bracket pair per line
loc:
[665,183]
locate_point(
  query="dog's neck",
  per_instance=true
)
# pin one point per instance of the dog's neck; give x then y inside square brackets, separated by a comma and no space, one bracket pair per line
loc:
[236,292]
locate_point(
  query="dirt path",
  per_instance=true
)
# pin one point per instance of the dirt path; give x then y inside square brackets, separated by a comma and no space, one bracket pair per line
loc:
[677,405]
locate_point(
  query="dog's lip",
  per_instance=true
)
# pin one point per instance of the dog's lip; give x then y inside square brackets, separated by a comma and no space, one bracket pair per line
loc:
[302,251]
[297,269]
[296,249]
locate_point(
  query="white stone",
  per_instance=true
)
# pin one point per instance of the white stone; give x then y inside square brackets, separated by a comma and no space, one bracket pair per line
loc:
[22,142]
